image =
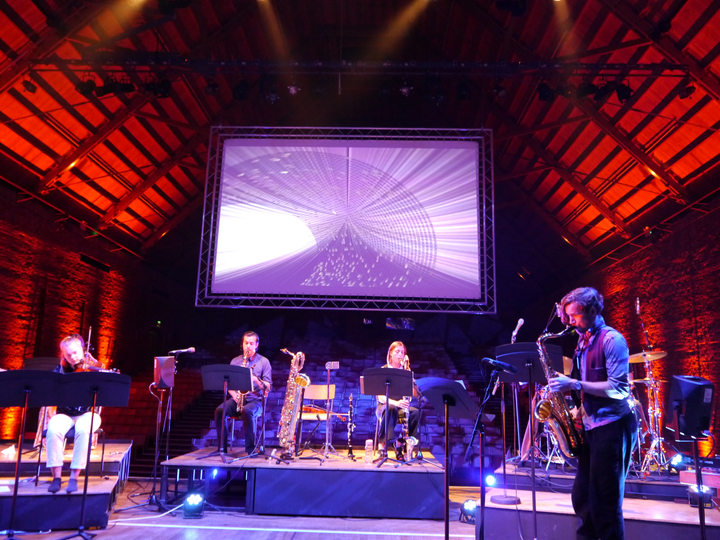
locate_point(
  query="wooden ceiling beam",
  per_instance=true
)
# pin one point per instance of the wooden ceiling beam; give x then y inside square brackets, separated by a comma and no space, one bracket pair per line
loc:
[156,175]
[93,140]
[658,170]
[541,127]
[50,40]
[609,49]
[663,44]
[171,122]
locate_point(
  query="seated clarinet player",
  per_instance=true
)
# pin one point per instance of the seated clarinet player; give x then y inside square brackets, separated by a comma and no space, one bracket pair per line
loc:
[396,358]
[73,357]
[248,405]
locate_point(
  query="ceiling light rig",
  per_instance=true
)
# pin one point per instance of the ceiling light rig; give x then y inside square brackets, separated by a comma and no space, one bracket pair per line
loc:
[688,88]
[29,86]
[623,92]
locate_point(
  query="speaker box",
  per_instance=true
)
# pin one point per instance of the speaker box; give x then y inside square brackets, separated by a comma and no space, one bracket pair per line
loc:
[689,407]
[165,371]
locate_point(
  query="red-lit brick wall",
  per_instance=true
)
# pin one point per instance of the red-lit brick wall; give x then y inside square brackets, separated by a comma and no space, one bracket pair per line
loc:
[676,280]
[48,293]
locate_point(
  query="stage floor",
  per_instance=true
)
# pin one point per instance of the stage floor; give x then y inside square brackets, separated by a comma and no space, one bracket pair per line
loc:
[641,516]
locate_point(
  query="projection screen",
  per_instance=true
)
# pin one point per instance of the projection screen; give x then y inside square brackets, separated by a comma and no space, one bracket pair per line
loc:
[377,219]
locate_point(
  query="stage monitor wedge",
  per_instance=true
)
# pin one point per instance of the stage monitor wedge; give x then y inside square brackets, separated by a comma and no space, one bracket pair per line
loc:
[352,218]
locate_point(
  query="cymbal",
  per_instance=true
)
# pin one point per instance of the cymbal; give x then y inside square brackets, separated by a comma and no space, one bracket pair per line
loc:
[648,381]
[650,356]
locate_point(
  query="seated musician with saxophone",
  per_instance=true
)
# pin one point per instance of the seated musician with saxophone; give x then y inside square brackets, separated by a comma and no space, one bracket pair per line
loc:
[73,357]
[396,358]
[600,373]
[248,405]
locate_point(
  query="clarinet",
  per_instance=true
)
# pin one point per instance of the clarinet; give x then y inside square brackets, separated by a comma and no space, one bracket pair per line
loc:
[351,428]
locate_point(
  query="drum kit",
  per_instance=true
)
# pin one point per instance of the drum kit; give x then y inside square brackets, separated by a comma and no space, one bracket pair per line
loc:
[645,460]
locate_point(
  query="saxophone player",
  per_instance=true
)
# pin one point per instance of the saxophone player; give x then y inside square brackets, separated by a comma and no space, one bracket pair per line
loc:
[600,374]
[396,358]
[249,405]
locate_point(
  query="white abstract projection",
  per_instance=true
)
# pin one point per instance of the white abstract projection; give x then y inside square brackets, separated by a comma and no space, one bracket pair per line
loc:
[339,219]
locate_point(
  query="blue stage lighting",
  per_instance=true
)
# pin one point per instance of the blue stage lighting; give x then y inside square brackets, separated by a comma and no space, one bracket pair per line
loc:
[467,512]
[490,480]
[194,506]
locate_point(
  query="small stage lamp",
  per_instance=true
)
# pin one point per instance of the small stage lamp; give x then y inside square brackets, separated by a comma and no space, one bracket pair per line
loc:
[490,480]
[467,512]
[694,496]
[194,506]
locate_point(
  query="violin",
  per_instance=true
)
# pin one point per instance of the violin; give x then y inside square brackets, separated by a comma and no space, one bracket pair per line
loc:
[90,363]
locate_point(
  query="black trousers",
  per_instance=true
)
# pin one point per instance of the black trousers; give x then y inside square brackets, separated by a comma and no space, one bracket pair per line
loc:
[251,411]
[599,487]
[394,416]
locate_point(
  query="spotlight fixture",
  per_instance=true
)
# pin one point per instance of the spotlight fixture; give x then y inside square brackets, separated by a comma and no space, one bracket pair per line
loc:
[268,88]
[695,497]
[462,90]
[467,511]
[86,88]
[405,89]
[687,90]
[604,91]
[241,90]
[623,92]
[194,506]
[29,86]
[544,92]
[160,89]
[108,87]
[585,89]
[211,88]
[490,480]
[293,89]
[499,90]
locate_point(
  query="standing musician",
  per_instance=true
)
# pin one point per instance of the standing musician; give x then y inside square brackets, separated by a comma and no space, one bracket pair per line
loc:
[397,359]
[248,405]
[73,357]
[600,373]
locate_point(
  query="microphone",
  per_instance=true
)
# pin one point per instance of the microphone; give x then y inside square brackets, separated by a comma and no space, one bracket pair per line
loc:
[517,328]
[180,351]
[637,305]
[501,366]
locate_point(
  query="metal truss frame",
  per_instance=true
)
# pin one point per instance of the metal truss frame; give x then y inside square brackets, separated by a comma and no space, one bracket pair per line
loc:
[486,303]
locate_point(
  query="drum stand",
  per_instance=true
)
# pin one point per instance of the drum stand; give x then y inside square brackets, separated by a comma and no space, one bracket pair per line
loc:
[655,454]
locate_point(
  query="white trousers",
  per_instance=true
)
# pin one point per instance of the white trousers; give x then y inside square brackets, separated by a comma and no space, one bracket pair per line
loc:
[58,426]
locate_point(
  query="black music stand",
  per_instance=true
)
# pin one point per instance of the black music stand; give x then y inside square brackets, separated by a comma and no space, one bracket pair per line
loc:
[395,384]
[98,390]
[452,398]
[526,358]
[222,377]
[25,388]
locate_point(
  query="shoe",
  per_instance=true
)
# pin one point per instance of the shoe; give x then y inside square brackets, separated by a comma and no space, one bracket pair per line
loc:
[54,486]
[72,485]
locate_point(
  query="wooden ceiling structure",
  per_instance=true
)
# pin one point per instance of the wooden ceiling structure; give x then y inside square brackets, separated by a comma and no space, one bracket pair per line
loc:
[605,113]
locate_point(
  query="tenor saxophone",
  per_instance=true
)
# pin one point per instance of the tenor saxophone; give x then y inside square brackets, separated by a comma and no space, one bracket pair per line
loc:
[553,410]
[293,403]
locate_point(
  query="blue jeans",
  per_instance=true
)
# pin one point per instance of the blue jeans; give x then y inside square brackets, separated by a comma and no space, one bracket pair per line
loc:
[251,411]
[599,487]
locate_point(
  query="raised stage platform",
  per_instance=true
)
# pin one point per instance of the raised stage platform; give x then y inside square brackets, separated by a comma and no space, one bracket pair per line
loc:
[39,510]
[337,487]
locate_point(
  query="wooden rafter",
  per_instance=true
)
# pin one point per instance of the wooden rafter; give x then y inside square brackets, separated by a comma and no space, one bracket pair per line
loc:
[658,170]
[173,222]
[663,44]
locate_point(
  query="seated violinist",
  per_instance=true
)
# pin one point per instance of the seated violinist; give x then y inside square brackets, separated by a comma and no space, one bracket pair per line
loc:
[73,357]
[397,359]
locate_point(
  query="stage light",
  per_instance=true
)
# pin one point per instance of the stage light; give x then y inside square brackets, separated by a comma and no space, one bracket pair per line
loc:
[293,89]
[694,496]
[585,89]
[215,471]
[467,512]
[500,91]
[463,91]
[544,92]
[86,88]
[678,463]
[161,88]
[268,88]
[29,86]
[108,87]
[604,91]
[624,92]
[211,88]
[490,480]
[241,90]
[194,506]
[687,90]
[405,89]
